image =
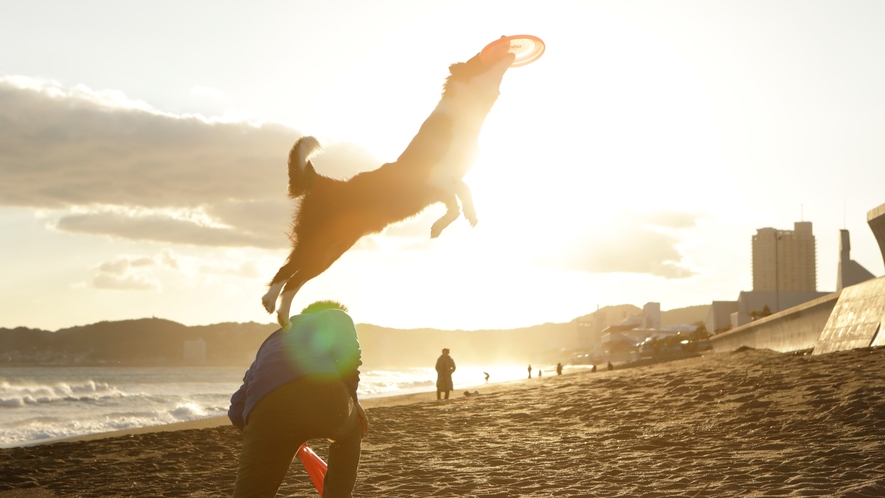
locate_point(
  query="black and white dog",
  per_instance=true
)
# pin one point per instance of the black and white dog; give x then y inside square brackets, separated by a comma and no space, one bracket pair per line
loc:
[334,214]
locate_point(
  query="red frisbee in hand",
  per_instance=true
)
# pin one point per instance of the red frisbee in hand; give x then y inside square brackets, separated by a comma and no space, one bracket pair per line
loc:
[527,48]
[314,465]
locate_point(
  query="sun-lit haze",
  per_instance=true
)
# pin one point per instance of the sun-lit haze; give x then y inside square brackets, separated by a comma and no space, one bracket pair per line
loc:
[143,153]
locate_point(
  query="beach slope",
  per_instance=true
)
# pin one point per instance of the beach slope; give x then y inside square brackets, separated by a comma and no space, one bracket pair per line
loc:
[750,423]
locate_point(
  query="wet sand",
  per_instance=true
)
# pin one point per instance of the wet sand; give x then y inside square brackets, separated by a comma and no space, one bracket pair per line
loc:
[752,423]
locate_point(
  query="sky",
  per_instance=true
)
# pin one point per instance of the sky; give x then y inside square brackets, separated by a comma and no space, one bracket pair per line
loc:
[143,153]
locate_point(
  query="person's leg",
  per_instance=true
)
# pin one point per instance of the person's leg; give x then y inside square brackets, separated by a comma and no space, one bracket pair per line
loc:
[269,445]
[344,460]
[337,421]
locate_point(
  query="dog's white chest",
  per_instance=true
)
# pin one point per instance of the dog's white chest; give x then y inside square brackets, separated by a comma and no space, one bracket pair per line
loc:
[461,149]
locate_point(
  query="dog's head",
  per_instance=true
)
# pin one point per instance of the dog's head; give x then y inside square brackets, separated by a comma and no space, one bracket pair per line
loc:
[477,80]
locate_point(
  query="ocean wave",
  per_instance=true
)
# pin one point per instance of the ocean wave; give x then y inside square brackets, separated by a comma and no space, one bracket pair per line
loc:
[188,411]
[43,428]
[14,395]
[59,408]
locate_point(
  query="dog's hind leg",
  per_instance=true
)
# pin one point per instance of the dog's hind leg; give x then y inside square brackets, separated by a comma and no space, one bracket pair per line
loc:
[466,198]
[292,287]
[452,213]
[315,258]
[269,300]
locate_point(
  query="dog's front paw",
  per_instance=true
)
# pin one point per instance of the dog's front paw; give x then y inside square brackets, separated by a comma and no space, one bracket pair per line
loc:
[473,220]
[435,231]
[269,302]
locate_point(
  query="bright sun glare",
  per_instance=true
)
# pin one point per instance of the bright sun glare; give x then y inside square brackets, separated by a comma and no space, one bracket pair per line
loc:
[575,139]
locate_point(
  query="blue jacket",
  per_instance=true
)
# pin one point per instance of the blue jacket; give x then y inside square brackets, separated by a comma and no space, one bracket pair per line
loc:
[323,342]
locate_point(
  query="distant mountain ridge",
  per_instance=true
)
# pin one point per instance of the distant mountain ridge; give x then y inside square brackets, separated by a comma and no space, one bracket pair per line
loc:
[147,341]
[156,341]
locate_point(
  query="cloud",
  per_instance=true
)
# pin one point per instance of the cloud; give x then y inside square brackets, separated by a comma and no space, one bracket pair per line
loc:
[81,147]
[119,266]
[105,160]
[644,244]
[107,281]
[668,219]
[242,269]
[637,251]
[164,227]
[126,272]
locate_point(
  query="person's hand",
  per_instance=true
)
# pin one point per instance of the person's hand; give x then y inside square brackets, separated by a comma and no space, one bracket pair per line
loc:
[363,419]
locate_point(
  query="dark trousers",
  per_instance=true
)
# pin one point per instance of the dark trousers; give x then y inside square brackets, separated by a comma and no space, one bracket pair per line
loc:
[312,407]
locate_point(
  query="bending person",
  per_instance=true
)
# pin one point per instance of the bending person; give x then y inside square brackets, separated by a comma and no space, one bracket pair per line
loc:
[302,385]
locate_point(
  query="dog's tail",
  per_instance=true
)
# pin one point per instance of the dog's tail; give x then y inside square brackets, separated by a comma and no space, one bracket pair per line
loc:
[301,172]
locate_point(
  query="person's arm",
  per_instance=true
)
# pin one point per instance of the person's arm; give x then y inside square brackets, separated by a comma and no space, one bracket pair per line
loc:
[362,418]
[238,400]
[347,353]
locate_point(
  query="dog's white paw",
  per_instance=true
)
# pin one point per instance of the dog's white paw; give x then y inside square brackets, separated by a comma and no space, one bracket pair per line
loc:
[269,302]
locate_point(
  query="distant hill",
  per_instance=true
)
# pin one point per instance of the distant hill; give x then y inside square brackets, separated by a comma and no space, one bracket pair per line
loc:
[155,341]
[613,315]
[689,315]
[149,341]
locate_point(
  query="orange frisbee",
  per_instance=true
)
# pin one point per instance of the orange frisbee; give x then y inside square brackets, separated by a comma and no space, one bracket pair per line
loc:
[314,465]
[527,48]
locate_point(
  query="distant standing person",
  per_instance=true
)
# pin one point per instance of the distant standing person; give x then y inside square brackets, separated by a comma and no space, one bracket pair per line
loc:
[487,377]
[540,373]
[559,369]
[610,366]
[445,366]
[530,371]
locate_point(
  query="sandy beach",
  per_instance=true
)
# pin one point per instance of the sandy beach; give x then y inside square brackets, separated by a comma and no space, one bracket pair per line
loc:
[750,423]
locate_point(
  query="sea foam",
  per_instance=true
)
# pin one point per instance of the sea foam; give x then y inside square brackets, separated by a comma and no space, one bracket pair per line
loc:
[17,395]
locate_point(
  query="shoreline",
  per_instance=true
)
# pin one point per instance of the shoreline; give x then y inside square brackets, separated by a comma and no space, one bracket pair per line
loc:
[222,420]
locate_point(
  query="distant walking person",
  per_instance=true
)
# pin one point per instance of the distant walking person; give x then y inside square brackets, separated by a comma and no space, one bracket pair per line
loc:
[540,373]
[487,377]
[559,369]
[445,366]
[530,371]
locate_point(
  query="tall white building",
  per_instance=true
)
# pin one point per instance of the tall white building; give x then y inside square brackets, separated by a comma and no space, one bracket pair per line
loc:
[785,260]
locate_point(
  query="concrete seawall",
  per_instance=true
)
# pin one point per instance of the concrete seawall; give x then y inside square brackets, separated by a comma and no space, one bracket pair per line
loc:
[857,320]
[795,329]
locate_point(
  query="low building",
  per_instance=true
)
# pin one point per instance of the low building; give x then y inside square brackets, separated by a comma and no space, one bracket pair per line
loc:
[719,317]
[195,351]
